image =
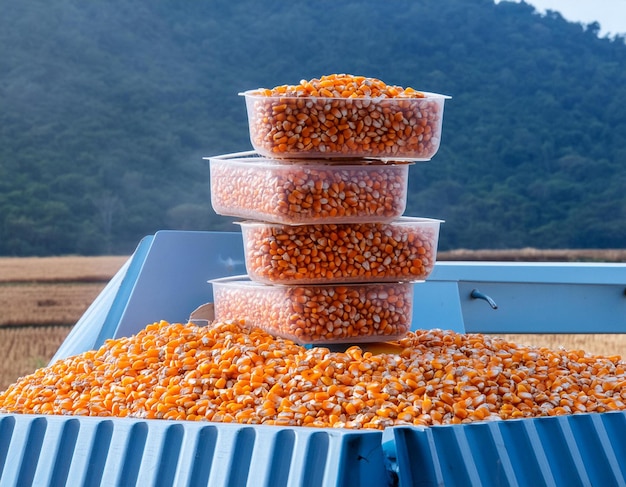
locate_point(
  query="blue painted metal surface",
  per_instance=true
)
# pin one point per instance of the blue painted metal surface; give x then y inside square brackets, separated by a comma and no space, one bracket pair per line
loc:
[576,450]
[101,318]
[172,281]
[530,297]
[166,278]
[84,451]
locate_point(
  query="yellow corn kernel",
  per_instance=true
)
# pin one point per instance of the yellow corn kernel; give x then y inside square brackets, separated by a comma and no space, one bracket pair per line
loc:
[230,373]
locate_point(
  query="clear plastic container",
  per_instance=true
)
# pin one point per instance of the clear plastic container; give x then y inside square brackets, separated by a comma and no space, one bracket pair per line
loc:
[403,250]
[318,314]
[317,127]
[249,186]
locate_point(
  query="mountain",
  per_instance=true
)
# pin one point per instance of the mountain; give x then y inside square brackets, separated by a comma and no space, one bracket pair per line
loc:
[107,108]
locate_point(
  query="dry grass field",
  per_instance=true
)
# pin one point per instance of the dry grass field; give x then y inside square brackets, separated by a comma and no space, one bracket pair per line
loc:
[59,269]
[42,298]
[536,255]
[49,303]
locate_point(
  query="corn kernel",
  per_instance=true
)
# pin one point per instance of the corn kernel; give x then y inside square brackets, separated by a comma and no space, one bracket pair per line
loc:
[227,372]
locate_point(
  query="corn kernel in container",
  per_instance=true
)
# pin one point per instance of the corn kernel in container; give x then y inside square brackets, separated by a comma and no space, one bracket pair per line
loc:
[314,314]
[403,250]
[345,116]
[308,192]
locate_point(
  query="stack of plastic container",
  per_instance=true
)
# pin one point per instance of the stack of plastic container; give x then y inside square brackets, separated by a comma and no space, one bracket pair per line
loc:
[329,256]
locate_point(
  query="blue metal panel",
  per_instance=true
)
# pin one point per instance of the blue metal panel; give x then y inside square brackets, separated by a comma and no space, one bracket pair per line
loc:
[437,304]
[173,278]
[165,279]
[530,297]
[536,307]
[58,450]
[540,272]
[101,318]
[576,450]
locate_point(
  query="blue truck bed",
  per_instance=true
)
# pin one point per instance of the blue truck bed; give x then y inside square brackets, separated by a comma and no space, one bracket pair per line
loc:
[166,278]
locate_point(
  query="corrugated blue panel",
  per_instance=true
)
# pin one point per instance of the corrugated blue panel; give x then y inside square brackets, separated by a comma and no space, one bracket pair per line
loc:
[85,451]
[577,450]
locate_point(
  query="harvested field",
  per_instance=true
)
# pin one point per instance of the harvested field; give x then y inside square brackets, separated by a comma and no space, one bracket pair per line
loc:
[536,255]
[48,303]
[25,349]
[55,269]
[596,344]
[42,297]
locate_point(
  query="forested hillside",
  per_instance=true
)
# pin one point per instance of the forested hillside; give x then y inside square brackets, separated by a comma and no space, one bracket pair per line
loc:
[107,108]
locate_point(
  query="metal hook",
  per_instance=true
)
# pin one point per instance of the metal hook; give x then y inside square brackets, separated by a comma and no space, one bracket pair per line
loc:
[476,294]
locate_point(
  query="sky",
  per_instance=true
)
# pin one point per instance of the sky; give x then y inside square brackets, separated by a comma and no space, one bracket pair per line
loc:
[610,14]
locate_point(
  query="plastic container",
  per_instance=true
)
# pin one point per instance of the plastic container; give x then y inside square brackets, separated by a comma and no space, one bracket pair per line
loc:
[318,314]
[317,127]
[248,186]
[403,250]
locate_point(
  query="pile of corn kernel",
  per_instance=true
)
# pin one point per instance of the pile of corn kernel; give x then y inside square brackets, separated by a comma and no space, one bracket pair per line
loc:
[342,86]
[228,373]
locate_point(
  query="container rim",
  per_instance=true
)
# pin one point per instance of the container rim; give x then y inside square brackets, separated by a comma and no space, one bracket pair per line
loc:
[427,95]
[245,280]
[400,221]
[254,157]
